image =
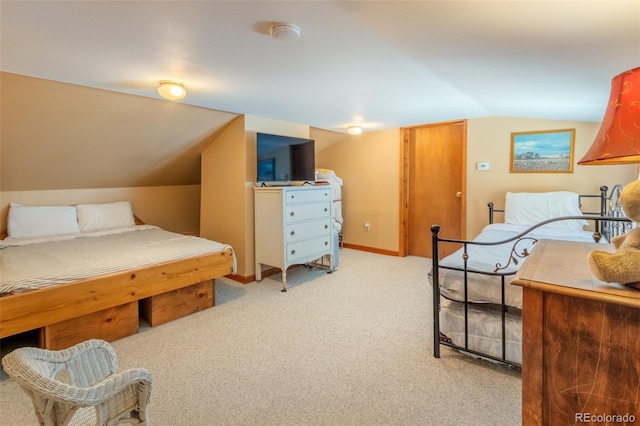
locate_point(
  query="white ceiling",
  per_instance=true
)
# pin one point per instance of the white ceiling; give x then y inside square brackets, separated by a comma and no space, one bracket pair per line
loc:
[380,64]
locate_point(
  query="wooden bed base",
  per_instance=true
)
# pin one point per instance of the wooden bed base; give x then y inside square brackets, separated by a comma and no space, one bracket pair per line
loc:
[108,306]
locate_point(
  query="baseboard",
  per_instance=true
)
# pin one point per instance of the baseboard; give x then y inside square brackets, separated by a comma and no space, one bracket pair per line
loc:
[241,278]
[371,249]
[250,278]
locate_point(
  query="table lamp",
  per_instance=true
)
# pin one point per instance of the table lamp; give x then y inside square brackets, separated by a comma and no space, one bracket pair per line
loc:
[618,141]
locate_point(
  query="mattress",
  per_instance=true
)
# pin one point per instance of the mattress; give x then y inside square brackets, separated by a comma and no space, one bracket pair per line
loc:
[484,288]
[485,329]
[34,264]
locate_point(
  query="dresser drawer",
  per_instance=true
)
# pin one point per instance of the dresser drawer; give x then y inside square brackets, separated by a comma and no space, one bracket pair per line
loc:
[299,212]
[305,230]
[307,196]
[306,248]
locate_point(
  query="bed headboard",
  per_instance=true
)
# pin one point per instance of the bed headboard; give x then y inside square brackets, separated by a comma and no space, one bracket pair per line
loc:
[609,203]
[602,196]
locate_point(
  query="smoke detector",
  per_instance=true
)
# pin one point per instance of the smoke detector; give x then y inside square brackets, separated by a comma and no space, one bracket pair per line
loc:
[285,32]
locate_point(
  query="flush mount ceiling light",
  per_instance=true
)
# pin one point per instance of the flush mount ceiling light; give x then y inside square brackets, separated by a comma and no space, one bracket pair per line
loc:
[354,130]
[285,32]
[172,90]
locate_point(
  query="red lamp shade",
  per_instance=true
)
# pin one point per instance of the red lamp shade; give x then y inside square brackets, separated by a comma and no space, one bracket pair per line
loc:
[618,141]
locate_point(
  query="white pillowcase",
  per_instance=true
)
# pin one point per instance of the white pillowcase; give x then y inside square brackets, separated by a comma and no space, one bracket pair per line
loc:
[41,221]
[530,208]
[104,217]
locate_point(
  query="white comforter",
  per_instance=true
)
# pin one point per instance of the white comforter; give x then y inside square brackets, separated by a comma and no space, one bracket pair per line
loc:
[32,264]
[487,288]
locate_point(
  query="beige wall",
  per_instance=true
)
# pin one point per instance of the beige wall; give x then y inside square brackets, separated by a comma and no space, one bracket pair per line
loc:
[223,209]
[175,208]
[489,140]
[228,178]
[369,165]
[68,144]
[63,136]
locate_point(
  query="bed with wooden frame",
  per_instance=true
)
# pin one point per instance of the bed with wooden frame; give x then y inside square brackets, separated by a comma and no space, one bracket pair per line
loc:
[109,305]
[476,310]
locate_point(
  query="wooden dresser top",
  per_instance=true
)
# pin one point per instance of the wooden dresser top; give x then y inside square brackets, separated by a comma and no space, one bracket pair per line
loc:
[562,267]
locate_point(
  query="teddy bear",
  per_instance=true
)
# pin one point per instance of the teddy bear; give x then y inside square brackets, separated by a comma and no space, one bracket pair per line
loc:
[623,265]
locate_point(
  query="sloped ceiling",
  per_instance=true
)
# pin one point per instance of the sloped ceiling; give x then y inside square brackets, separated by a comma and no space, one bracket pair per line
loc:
[381,64]
[62,136]
[79,106]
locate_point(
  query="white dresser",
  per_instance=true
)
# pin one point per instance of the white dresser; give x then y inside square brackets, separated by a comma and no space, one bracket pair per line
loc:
[292,226]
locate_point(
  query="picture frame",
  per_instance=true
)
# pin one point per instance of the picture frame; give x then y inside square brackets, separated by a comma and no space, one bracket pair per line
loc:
[543,151]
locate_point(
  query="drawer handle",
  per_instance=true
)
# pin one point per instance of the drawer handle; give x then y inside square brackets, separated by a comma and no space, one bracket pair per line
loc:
[292,214]
[326,226]
[293,233]
[326,209]
[293,252]
[326,243]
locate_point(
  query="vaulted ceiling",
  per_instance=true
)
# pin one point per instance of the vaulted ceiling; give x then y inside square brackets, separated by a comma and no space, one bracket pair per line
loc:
[380,64]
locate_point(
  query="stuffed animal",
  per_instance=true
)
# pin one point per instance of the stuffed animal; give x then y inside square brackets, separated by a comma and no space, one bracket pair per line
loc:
[622,266]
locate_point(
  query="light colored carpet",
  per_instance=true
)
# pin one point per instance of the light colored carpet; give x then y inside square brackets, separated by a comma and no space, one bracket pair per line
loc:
[349,348]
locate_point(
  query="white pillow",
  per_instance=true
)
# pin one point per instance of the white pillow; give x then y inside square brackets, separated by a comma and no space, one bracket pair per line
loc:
[530,208]
[106,216]
[41,221]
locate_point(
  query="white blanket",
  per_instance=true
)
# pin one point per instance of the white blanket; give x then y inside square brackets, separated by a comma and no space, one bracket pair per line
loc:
[487,288]
[29,265]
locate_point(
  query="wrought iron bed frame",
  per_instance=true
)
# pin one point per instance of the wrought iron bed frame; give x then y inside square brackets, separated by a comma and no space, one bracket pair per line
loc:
[609,222]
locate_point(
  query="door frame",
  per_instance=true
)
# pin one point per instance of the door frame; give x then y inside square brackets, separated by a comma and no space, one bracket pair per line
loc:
[404,183]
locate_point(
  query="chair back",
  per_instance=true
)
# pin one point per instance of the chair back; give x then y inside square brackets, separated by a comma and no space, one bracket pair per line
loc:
[80,384]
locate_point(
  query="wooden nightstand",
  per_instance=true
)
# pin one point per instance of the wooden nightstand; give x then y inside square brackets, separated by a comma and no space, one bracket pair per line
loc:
[581,340]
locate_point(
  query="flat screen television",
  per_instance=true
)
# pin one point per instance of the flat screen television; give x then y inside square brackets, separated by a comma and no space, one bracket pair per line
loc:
[285,159]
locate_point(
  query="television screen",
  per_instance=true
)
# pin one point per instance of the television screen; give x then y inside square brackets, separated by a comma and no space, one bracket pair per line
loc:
[285,158]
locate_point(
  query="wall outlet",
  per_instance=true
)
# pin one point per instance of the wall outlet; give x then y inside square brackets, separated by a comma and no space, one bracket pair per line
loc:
[482,166]
[367,227]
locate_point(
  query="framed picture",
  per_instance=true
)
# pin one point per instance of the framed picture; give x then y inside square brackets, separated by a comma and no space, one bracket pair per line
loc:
[546,151]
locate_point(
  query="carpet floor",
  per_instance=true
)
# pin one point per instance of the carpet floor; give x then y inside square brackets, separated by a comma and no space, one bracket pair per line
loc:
[353,347]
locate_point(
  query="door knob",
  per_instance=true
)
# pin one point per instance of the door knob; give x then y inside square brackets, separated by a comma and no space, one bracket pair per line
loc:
[459,194]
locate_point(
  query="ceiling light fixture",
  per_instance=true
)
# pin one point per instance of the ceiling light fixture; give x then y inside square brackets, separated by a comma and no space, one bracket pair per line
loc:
[172,90]
[618,141]
[354,130]
[285,32]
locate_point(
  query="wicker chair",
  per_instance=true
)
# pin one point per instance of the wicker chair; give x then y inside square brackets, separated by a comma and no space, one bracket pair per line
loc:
[80,385]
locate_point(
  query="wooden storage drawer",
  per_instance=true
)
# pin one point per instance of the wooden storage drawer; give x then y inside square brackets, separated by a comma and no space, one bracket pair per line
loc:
[303,231]
[306,248]
[300,212]
[178,303]
[110,324]
[308,196]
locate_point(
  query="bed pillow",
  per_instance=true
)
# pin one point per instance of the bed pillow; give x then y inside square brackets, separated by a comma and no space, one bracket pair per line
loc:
[41,221]
[530,208]
[105,216]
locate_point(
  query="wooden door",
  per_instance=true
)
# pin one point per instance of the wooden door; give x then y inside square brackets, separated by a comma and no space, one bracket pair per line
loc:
[435,180]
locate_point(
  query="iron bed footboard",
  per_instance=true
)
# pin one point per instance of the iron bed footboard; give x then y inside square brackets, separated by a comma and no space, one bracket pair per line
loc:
[608,221]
